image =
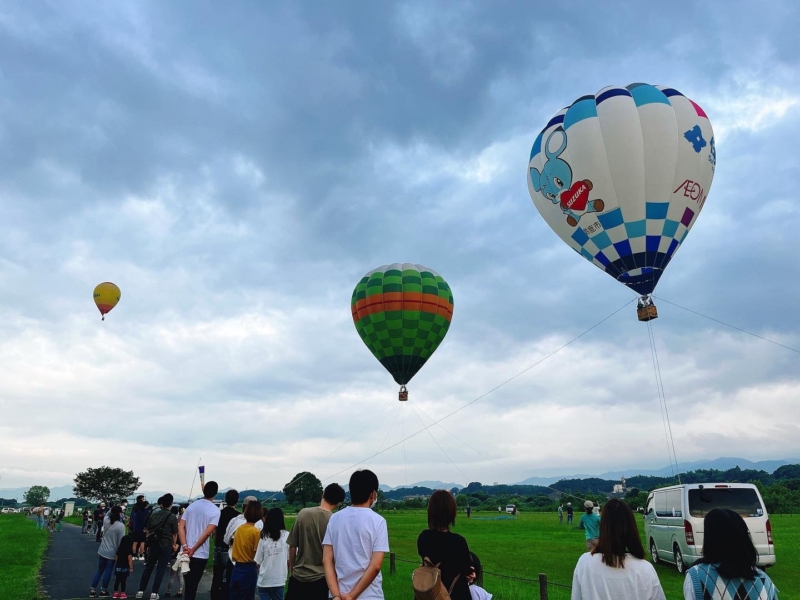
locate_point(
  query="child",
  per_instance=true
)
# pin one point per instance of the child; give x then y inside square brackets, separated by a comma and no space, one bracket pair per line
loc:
[124,566]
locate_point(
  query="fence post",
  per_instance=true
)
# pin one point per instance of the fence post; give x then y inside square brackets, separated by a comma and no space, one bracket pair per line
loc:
[392,563]
[542,586]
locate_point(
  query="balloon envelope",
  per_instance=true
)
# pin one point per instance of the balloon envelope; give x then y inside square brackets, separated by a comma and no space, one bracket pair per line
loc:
[106,296]
[402,313]
[621,177]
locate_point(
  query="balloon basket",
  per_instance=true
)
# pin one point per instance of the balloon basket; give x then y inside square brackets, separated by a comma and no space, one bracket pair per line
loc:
[647,313]
[403,395]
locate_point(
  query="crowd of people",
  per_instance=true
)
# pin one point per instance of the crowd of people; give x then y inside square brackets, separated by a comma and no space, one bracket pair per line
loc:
[338,554]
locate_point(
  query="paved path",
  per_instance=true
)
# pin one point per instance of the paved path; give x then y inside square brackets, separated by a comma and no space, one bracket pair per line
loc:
[71,561]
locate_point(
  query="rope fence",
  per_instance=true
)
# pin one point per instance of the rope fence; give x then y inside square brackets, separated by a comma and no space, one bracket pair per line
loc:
[548,590]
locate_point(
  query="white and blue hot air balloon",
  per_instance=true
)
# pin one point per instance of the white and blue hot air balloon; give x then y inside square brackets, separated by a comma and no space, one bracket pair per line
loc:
[621,177]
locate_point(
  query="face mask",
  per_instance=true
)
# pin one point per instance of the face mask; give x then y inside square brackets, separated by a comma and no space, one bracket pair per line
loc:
[374,502]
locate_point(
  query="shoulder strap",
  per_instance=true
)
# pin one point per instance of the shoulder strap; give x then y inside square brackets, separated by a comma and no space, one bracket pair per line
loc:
[452,585]
[426,562]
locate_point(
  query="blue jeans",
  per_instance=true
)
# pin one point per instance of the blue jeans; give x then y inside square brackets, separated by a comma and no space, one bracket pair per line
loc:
[105,568]
[271,593]
[40,523]
[243,581]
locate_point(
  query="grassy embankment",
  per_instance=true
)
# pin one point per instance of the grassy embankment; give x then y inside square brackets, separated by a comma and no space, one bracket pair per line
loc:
[21,552]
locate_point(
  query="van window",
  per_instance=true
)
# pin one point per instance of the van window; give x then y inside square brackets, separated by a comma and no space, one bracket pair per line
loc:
[650,507]
[674,508]
[660,500]
[741,500]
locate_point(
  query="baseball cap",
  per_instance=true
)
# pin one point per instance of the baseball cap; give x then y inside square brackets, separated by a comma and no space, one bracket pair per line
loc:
[250,499]
[588,504]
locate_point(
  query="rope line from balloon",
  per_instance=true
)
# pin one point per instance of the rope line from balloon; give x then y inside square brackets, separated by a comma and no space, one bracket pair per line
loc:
[660,402]
[699,314]
[662,399]
[391,426]
[494,389]
[403,423]
[562,492]
[350,439]
[435,441]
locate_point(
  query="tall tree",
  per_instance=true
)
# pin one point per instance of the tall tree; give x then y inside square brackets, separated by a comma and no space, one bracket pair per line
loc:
[105,483]
[37,494]
[303,488]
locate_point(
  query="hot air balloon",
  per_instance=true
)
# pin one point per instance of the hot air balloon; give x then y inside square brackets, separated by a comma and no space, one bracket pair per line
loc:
[621,177]
[402,313]
[106,296]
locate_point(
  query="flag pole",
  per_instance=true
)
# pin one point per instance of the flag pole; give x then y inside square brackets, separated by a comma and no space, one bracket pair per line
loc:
[193,478]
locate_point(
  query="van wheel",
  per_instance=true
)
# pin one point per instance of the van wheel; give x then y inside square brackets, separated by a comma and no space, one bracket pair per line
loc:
[679,560]
[653,552]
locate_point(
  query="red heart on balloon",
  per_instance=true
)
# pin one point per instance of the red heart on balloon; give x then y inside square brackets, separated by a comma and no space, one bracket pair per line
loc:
[576,197]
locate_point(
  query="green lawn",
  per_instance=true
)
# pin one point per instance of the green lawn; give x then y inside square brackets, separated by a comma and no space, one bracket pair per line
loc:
[21,551]
[534,543]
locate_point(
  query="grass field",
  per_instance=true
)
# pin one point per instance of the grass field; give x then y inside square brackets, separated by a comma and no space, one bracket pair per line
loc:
[21,550]
[534,543]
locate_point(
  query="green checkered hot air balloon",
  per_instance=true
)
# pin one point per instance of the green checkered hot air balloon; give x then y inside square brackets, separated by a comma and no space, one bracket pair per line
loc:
[402,313]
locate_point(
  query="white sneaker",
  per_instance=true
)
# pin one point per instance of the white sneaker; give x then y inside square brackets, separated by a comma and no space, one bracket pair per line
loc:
[140,594]
[154,596]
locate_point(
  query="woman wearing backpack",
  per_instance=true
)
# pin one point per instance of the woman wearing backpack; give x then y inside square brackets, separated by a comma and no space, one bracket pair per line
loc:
[447,550]
[616,568]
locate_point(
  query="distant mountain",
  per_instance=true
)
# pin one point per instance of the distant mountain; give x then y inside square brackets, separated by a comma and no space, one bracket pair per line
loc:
[61,491]
[545,481]
[434,485]
[721,464]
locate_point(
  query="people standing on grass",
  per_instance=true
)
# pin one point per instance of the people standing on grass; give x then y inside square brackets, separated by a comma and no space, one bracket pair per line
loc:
[560,514]
[162,541]
[440,546]
[244,578]
[197,524]
[569,513]
[123,566]
[221,578]
[355,542]
[273,556]
[616,568]
[306,571]
[727,570]
[590,523]
[107,555]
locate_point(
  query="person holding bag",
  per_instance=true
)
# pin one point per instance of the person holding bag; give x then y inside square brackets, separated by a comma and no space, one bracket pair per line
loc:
[441,549]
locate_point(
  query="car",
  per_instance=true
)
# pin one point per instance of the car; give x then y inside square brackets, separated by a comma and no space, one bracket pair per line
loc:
[511,508]
[6,510]
[673,520]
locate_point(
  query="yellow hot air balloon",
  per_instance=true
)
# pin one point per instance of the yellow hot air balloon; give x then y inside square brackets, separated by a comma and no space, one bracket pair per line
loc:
[106,296]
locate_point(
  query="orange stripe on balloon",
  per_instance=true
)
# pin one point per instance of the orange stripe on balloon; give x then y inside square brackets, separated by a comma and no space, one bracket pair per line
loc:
[430,303]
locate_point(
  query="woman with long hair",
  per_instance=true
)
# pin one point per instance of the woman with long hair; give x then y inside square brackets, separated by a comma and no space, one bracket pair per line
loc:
[447,549]
[728,569]
[616,568]
[272,556]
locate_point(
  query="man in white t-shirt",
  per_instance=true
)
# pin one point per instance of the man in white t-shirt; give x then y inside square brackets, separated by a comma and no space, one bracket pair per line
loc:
[197,524]
[355,542]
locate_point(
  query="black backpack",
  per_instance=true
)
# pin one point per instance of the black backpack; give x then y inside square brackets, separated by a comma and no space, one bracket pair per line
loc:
[153,539]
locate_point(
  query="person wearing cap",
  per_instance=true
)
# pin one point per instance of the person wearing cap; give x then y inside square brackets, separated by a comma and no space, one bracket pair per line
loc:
[590,523]
[569,513]
[235,523]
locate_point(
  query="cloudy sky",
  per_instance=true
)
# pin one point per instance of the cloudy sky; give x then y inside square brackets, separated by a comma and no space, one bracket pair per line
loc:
[236,171]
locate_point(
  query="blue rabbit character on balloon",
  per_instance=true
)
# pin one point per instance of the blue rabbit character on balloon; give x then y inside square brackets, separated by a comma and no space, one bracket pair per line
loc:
[555,183]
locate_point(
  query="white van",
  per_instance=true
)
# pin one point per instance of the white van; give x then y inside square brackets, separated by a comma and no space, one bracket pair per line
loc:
[510,508]
[673,520]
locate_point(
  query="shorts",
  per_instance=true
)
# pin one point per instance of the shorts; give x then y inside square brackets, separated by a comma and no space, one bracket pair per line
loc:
[138,537]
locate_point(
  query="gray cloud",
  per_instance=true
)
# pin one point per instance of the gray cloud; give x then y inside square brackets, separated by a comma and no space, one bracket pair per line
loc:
[237,172]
